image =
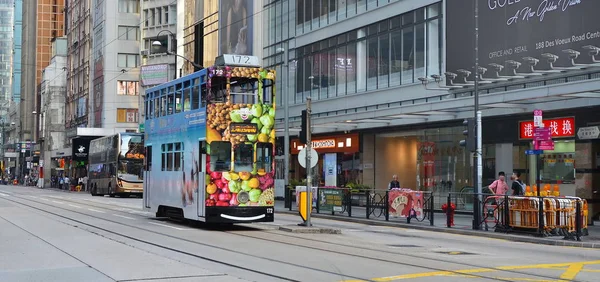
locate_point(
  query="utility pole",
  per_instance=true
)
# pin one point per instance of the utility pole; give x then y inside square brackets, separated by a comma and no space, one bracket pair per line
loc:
[286,121]
[477,113]
[308,161]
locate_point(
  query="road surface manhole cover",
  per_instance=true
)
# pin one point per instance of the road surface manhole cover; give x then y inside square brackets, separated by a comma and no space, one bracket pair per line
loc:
[455,253]
[404,246]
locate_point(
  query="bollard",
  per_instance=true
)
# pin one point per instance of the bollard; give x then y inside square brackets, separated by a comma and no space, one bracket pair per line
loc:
[317,205]
[578,220]
[290,197]
[368,203]
[506,220]
[541,217]
[349,203]
[431,206]
[448,208]
[387,206]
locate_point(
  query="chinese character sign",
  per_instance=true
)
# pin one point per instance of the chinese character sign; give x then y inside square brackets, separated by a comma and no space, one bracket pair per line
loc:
[559,127]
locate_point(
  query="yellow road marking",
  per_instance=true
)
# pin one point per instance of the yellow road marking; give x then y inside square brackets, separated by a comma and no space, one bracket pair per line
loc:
[573,268]
[526,279]
[572,271]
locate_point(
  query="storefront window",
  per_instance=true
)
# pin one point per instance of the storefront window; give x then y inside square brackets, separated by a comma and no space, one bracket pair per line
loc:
[558,166]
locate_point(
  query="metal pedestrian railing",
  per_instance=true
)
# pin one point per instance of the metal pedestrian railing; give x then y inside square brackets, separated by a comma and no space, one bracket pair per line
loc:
[388,205]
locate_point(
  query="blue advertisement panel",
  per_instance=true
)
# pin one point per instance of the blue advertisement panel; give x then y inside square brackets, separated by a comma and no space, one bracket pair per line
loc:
[176,164]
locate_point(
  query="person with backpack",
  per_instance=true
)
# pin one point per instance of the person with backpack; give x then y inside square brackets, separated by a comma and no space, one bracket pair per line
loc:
[518,187]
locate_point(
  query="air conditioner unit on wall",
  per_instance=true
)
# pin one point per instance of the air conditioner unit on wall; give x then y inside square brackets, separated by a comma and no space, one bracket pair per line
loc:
[145,52]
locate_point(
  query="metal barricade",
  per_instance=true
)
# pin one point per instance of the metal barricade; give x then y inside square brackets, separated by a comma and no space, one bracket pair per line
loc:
[524,213]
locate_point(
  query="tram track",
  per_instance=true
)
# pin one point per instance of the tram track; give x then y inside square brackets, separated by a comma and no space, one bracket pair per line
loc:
[352,253]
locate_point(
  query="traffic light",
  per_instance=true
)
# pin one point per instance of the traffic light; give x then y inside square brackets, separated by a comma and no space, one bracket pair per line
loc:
[303,129]
[470,141]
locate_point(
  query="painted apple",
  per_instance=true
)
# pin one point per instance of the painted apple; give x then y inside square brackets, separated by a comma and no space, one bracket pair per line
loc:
[216,175]
[233,201]
[246,186]
[254,195]
[244,175]
[211,188]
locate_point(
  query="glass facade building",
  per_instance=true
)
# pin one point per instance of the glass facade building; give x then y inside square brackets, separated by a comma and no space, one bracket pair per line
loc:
[385,54]
[6,46]
[16,57]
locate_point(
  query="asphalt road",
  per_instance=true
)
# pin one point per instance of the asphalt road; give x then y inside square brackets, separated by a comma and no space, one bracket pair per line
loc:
[48,235]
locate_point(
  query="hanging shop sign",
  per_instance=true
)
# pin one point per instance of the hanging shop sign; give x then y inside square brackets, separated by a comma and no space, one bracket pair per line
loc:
[347,143]
[559,128]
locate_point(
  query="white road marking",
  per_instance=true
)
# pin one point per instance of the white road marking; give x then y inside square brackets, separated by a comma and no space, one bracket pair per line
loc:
[124,216]
[75,206]
[139,212]
[33,197]
[44,199]
[95,210]
[58,202]
[5,195]
[57,197]
[167,226]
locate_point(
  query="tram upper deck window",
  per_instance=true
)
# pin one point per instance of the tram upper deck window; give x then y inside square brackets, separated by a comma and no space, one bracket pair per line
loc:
[218,90]
[187,95]
[267,86]
[244,90]
[195,97]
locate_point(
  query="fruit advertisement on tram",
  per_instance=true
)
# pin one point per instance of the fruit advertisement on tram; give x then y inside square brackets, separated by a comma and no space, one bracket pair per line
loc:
[211,139]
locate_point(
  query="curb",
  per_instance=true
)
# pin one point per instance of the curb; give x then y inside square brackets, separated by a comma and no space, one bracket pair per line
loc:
[494,235]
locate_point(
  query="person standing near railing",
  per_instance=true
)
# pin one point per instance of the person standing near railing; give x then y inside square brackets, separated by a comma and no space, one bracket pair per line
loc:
[518,187]
[394,183]
[499,186]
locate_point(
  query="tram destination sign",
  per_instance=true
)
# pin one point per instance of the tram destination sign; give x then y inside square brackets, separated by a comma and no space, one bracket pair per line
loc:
[243,128]
[516,29]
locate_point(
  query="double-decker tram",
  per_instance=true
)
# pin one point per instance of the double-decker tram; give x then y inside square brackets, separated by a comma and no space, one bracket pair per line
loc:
[210,142]
[116,164]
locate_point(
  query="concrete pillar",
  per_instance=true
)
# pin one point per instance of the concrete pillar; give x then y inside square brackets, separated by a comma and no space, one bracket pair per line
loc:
[361,61]
[504,159]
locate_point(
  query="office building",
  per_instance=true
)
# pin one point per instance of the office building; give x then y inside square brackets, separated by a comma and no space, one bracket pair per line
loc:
[392,81]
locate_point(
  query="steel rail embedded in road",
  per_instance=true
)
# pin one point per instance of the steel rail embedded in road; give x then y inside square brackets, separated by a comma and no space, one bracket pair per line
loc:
[412,256]
[174,237]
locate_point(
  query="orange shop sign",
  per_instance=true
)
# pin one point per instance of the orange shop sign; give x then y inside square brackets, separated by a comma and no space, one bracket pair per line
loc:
[347,143]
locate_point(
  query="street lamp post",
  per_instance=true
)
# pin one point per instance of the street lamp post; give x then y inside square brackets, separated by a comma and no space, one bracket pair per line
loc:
[286,120]
[478,153]
[157,43]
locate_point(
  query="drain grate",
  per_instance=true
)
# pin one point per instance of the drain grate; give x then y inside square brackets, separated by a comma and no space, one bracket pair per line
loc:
[455,253]
[404,246]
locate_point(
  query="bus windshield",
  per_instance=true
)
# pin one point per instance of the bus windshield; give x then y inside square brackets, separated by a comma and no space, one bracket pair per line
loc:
[131,158]
[131,169]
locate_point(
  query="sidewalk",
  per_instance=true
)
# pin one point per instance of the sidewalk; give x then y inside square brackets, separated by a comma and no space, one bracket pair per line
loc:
[462,225]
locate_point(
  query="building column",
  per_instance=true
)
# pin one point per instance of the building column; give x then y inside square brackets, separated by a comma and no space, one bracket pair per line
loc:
[504,159]
[361,60]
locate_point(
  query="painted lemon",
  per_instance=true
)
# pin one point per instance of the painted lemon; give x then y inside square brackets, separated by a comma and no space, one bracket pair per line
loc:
[234,176]
[253,183]
[272,135]
[212,135]
[263,138]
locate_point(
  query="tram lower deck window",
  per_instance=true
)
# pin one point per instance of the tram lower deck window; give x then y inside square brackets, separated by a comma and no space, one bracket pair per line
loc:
[220,156]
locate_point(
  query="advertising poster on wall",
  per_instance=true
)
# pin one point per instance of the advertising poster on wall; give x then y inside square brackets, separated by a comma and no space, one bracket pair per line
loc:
[514,30]
[236,27]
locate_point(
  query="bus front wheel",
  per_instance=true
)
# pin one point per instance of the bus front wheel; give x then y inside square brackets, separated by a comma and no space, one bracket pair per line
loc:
[111,193]
[94,191]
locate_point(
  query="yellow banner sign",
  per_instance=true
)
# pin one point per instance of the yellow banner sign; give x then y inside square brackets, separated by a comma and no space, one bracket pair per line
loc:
[243,128]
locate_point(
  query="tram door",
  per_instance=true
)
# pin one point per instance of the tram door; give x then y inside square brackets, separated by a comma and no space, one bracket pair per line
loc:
[201,177]
[147,176]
